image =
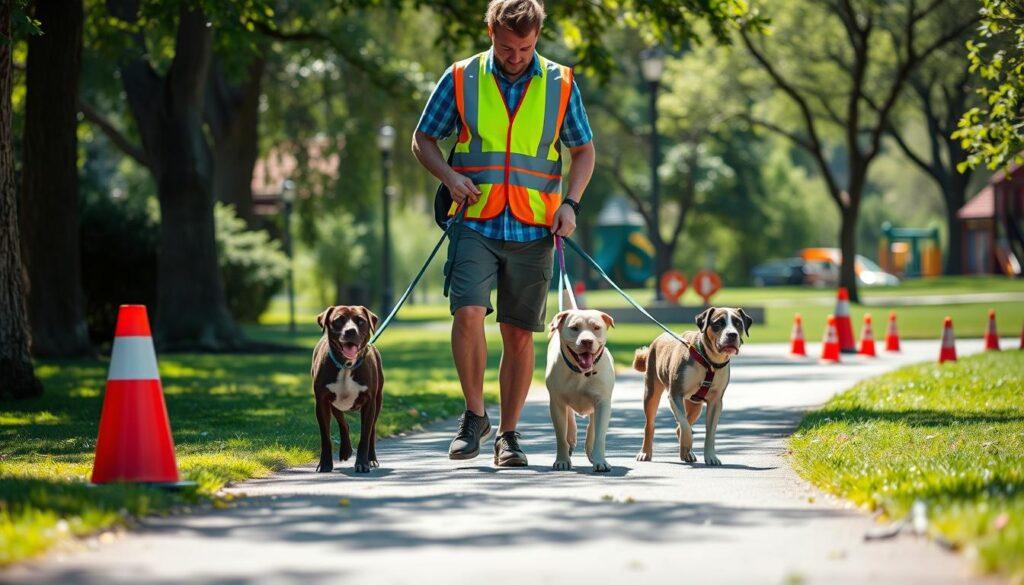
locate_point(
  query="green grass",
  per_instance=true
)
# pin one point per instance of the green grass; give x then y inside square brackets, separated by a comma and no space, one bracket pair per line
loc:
[949,435]
[233,417]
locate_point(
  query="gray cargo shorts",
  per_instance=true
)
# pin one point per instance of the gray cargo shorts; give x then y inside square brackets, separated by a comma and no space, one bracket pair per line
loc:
[522,271]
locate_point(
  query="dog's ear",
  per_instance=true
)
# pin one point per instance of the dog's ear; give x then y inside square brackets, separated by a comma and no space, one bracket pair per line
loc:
[556,322]
[372,318]
[323,318]
[704,318]
[747,321]
[608,320]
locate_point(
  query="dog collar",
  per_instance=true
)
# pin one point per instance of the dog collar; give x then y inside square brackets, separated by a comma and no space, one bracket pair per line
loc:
[707,360]
[576,368]
[709,375]
[340,364]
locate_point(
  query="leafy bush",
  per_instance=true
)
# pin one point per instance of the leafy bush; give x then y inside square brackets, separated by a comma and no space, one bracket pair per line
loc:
[119,261]
[253,265]
[118,247]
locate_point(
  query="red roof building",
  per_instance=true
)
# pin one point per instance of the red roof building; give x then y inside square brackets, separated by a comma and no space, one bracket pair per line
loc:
[993,226]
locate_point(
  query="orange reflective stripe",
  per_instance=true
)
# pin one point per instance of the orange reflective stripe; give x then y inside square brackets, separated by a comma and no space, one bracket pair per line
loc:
[494,202]
[502,167]
[563,103]
[552,201]
[458,72]
[519,203]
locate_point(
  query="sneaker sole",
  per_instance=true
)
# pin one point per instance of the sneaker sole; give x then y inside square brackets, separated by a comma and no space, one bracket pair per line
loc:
[464,456]
[511,463]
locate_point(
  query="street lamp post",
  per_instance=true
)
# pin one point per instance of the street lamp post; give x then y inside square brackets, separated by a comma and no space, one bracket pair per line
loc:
[287,199]
[652,64]
[386,143]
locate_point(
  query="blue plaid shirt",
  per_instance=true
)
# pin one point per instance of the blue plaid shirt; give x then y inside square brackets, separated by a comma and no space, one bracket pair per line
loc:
[441,118]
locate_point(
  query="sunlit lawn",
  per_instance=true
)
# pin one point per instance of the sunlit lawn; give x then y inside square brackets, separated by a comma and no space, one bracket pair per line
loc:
[233,417]
[949,435]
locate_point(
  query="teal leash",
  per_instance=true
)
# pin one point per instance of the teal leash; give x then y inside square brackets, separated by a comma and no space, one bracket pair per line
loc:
[576,248]
[401,301]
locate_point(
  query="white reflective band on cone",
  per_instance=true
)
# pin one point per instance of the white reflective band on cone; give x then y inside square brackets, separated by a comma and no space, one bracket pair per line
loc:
[133,358]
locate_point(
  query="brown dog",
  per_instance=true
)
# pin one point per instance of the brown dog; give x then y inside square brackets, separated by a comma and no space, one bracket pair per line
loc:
[670,364]
[347,377]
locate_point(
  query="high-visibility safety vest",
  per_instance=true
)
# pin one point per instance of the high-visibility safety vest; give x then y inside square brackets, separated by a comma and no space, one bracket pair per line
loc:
[512,156]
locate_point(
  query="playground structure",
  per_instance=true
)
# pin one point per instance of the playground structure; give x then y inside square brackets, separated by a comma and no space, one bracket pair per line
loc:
[623,250]
[910,252]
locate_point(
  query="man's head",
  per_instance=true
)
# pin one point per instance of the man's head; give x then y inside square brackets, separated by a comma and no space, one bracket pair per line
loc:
[514,26]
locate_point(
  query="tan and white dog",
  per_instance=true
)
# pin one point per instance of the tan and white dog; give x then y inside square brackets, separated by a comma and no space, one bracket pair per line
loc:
[684,369]
[580,376]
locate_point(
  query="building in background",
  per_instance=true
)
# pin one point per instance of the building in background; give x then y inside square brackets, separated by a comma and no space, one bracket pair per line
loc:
[993,226]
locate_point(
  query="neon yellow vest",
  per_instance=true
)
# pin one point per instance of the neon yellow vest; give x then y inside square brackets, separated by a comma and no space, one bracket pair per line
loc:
[513,157]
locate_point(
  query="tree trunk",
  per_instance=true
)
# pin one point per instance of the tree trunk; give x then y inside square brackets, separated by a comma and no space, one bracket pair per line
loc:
[49,198]
[848,247]
[17,377]
[192,311]
[191,306]
[954,192]
[233,115]
[662,260]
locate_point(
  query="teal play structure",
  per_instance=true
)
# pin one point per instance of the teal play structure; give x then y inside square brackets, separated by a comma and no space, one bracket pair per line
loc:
[623,249]
[920,256]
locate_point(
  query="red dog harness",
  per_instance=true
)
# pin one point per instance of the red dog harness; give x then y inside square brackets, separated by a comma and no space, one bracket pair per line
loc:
[709,374]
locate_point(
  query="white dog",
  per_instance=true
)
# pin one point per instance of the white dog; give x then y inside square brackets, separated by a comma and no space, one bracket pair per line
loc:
[580,376]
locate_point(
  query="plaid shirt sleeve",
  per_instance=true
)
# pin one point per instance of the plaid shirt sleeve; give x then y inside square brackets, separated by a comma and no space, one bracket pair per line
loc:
[576,126]
[440,116]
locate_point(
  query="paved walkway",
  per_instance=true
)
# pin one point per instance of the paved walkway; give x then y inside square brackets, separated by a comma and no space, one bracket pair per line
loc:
[424,519]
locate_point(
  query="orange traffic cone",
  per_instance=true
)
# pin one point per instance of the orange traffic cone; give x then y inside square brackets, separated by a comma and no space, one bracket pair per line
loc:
[867,338]
[844,328]
[134,442]
[892,336]
[947,353]
[991,337]
[830,345]
[798,345]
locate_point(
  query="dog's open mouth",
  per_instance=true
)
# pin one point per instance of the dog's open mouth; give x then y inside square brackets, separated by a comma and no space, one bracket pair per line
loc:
[349,350]
[731,349]
[585,359]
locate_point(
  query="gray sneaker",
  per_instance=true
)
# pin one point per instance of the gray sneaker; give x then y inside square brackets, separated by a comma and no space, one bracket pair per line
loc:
[472,430]
[507,452]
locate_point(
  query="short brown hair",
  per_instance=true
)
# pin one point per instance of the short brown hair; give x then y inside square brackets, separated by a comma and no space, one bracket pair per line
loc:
[520,16]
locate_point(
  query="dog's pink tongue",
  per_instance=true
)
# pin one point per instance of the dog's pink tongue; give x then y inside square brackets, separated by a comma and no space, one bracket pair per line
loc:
[731,350]
[586,360]
[349,350]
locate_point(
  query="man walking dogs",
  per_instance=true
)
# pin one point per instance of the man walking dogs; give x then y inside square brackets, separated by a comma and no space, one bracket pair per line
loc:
[512,110]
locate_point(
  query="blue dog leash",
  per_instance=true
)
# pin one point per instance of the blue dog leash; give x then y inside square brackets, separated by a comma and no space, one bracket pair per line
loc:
[576,248]
[416,280]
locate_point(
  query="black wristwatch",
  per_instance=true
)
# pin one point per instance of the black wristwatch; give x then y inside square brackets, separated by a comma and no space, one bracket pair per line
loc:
[574,204]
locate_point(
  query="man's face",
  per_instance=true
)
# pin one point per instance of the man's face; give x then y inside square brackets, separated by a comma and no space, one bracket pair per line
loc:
[512,52]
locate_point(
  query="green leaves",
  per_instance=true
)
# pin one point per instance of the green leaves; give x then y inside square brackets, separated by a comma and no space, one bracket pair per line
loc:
[994,135]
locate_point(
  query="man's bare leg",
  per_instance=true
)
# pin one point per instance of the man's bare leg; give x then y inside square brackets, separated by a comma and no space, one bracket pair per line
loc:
[515,373]
[469,349]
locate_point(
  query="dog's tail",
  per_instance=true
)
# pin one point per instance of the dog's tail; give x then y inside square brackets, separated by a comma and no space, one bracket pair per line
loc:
[640,359]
